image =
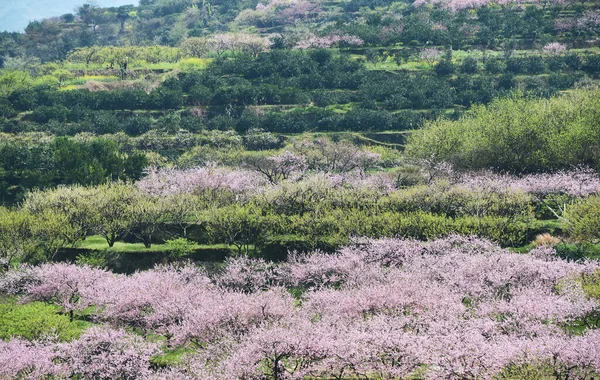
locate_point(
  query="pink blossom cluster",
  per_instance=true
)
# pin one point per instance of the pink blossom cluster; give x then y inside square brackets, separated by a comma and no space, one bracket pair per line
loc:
[238,42]
[590,19]
[391,30]
[430,54]
[68,286]
[464,306]
[272,174]
[555,48]
[313,41]
[457,5]
[274,4]
[580,182]
[33,360]
[290,10]
[458,307]
[353,180]
[565,24]
[199,179]
[100,353]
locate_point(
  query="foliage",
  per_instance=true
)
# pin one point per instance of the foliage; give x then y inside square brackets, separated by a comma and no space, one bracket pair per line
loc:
[179,248]
[515,134]
[582,219]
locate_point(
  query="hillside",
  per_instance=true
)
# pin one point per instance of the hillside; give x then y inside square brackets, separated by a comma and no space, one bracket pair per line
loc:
[16,14]
[302,189]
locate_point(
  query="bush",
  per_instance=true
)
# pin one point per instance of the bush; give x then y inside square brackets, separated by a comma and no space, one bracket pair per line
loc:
[577,252]
[367,120]
[516,134]
[516,65]
[468,66]
[96,259]
[535,65]
[583,219]
[6,109]
[592,63]
[179,248]
[44,114]
[494,66]
[444,67]
[573,61]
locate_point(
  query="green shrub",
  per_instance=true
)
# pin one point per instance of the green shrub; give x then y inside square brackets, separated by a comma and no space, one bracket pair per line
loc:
[468,66]
[494,66]
[504,231]
[516,134]
[591,285]
[577,252]
[180,247]
[583,219]
[444,67]
[96,259]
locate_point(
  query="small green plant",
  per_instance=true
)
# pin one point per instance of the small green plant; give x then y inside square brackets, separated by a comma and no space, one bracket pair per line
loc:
[95,259]
[178,248]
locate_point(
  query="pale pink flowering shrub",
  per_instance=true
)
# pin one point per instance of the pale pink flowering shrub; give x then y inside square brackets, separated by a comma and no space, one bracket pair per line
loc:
[70,286]
[397,296]
[430,54]
[565,24]
[590,19]
[17,280]
[457,5]
[289,11]
[320,270]
[544,252]
[196,180]
[249,275]
[314,42]
[580,182]
[20,359]
[555,48]
[230,313]
[153,300]
[385,252]
[103,353]
[574,358]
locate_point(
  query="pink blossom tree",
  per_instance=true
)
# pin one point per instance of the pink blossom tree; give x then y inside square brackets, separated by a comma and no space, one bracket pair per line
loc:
[103,353]
[456,307]
[279,167]
[20,359]
[554,48]
[70,286]
[314,42]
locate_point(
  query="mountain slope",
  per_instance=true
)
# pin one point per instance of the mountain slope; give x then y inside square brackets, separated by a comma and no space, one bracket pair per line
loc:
[16,14]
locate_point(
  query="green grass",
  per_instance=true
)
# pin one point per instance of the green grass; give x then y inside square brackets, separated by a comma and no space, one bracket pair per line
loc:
[522,249]
[170,356]
[35,320]
[98,243]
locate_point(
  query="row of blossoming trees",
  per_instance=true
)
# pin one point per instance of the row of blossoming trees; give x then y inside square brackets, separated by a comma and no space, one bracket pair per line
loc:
[316,195]
[454,308]
[275,204]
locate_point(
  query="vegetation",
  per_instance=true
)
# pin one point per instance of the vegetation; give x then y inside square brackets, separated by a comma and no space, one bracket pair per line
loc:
[516,134]
[302,189]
